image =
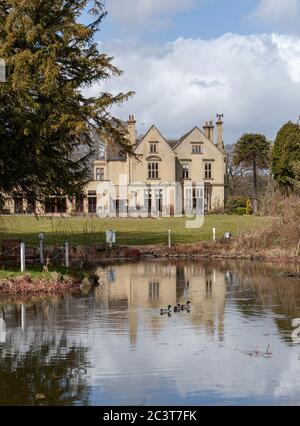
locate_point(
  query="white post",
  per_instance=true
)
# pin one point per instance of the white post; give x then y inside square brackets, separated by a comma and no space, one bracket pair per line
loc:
[22,255]
[67,254]
[214,234]
[169,238]
[41,238]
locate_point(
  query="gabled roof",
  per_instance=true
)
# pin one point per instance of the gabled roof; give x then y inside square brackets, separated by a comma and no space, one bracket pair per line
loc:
[113,152]
[191,131]
[170,143]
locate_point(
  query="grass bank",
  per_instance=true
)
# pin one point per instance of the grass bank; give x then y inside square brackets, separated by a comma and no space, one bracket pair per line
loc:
[130,231]
[36,283]
[35,273]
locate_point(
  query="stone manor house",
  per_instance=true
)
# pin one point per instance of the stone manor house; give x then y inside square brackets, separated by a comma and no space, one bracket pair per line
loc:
[159,164]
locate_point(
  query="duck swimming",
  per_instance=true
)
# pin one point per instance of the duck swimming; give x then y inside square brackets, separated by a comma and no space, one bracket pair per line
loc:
[187,306]
[180,308]
[166,310]
[177,308]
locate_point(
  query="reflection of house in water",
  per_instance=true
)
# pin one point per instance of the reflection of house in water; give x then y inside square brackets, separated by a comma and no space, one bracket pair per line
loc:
[155,285]
[207,291]
[140,285]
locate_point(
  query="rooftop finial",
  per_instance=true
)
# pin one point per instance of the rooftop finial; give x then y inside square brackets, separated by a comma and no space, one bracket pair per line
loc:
[220,117]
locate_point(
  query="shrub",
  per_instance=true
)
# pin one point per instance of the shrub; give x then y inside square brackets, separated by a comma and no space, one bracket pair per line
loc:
[234,203]
[218,208]
[281,232]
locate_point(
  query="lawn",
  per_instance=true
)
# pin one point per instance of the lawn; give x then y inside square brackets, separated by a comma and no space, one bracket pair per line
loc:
[130,231]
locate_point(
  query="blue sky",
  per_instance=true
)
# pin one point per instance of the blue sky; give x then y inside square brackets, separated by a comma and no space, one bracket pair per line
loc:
[204,18]
[189,59]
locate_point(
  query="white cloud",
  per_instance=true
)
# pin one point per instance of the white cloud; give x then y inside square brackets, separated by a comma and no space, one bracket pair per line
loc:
[254,80]
[279,15]
[142,12]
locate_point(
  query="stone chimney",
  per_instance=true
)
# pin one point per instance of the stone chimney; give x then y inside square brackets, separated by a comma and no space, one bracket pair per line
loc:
[209,130]
[219,124]
[131,129]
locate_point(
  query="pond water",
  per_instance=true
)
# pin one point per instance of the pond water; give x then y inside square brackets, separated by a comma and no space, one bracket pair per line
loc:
[112,347]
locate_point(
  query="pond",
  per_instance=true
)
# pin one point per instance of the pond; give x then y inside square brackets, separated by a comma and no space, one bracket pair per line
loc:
[112,346]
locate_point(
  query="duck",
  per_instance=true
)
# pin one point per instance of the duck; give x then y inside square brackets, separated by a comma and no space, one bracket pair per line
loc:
[177,308]
[166,310]
[186,307]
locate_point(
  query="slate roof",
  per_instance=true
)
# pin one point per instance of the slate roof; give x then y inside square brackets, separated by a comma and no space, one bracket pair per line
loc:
[172,143]
[114,153]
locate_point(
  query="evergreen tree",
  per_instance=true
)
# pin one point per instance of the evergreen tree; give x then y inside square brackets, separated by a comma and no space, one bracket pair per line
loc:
[46,116]
[296,171]
[285,157]
[252,151]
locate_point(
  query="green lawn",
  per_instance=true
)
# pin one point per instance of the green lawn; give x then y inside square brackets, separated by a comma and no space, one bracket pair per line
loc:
[129,231]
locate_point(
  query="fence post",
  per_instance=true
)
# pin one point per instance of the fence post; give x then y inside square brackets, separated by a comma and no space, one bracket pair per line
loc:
[22,255]
[214,234]
[67,260]
[169,238]
[41,238]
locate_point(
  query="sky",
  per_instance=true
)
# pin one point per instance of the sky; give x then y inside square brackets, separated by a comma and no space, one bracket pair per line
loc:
[187,60]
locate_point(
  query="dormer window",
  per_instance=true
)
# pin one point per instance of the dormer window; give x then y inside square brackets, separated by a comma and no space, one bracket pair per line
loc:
[153,148]
[197,149]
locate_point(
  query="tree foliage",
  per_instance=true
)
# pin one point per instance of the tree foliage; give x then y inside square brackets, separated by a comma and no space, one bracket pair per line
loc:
[286,157]
[46,114]
[296,171]
[252,151]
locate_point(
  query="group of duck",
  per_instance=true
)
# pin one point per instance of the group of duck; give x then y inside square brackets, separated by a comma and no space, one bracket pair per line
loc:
[178,308]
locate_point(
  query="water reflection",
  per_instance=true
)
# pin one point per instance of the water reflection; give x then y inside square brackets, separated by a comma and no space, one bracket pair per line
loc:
[156,285]
[113,347]
[2,330]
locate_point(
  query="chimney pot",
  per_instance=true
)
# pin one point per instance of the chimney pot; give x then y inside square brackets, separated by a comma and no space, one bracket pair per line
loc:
[209,130]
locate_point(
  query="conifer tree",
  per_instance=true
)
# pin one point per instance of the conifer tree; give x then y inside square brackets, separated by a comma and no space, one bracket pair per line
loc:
[286,157]
[46,117]
[252,151]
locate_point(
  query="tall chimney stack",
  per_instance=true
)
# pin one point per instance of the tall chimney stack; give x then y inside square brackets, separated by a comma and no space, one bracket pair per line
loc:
[219,124]
[131,129]
[209,130]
